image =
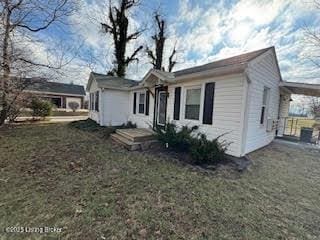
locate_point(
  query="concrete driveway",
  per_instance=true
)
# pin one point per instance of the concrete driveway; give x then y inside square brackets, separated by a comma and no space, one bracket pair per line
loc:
[56,119]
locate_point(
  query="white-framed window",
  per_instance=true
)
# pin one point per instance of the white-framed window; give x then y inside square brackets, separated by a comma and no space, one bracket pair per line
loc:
[142,103]
[91,101]
[192,103]
[264,107]
[96,106]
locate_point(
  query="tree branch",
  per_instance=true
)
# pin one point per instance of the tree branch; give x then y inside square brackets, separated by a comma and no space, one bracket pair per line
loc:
[54,17]
[133,56]
[172,62]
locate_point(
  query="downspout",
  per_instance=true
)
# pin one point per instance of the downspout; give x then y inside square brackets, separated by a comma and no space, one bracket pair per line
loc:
[246,112]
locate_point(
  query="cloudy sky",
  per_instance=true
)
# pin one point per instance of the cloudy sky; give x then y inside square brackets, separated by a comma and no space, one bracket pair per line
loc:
[204,31]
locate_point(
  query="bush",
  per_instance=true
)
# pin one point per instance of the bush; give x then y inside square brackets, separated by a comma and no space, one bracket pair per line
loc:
[40,108]
[86,125]
[13,113]
[21,102]
[127,125]
[74,106]
[174,138]
[204,151]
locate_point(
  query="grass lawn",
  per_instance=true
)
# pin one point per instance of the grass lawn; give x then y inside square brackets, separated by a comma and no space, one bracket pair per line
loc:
[57,176]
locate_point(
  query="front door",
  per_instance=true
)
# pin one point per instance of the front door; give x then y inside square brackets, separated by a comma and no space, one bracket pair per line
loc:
[161,107]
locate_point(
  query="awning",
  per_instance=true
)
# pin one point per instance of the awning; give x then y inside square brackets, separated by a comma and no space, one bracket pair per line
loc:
[301,88]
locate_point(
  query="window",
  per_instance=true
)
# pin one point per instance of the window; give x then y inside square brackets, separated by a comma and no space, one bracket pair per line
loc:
[57,102]
[192,108]
[142,99]
[97,101]
[91,101]
[264,108]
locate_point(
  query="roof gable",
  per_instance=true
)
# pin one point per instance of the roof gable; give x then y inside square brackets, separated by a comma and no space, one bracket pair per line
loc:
[238,60]
[112,82]
[156,77]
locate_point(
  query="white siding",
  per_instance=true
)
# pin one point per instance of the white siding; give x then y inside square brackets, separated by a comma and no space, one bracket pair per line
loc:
[94,115]
[142,120]
[227,110]
[115,107]
[262,73]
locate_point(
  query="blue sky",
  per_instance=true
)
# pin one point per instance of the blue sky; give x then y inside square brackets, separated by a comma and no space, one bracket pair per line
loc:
[204,31]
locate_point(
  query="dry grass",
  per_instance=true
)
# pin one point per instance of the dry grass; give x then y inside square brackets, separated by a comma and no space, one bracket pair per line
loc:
[54,175]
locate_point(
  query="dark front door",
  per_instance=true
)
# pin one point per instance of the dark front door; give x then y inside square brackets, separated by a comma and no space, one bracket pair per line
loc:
[160,114]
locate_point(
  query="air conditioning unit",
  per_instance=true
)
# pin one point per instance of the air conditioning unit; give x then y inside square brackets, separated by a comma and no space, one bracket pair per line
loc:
[272,124]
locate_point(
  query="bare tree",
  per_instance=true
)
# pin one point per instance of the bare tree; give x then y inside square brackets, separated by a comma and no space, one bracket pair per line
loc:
[20,21]
[74,106]
[314,105]
[159,38]
[312,39]
[118,27]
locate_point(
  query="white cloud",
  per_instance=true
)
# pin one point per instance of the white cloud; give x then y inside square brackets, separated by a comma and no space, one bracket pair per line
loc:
[205,34]
[260,12]
[250,25]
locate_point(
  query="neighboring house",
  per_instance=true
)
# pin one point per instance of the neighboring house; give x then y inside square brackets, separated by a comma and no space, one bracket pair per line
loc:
[241,98]
[60,94]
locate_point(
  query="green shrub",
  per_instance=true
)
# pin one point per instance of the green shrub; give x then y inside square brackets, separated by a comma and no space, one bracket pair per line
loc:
[175,138]
[86,125]
[127,125]
[40,108]
[204,151]
[201,150]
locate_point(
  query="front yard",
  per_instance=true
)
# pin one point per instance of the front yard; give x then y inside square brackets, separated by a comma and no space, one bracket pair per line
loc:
[58,176]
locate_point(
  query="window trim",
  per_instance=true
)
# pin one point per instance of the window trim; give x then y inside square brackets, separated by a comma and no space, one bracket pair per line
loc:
[185,89]
[144,103]
[160,92]
[92,100]
[97,101]
[264,106]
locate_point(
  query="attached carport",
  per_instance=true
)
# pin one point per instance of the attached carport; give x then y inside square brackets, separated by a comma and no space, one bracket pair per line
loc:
[286,90]
[301,88]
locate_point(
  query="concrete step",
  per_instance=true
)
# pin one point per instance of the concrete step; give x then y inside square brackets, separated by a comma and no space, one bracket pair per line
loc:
[136,135]
[133,146]
[130,145]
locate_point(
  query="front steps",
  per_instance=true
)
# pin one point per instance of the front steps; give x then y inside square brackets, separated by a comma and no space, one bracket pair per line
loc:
[134,139]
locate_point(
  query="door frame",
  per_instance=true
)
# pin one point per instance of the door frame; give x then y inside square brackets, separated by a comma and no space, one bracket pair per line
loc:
[159,89]
[158,109]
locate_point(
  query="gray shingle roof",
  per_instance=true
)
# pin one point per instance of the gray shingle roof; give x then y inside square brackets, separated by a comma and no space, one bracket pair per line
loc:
[227,65]
[105,81]
[55,87]
[236,60]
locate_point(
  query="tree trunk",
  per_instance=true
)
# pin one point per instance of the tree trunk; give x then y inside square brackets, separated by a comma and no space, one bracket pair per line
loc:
[6,64]
[3,116]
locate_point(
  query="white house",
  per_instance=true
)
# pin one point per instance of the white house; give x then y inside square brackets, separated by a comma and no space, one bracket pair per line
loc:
[242,98]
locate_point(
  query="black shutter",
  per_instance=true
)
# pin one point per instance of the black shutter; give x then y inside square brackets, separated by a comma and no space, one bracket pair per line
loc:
[147,102]
[177,100]
[208,103]
[134,102]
